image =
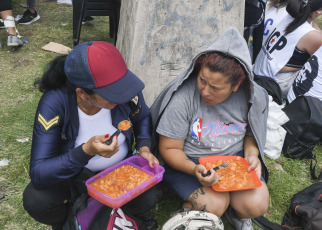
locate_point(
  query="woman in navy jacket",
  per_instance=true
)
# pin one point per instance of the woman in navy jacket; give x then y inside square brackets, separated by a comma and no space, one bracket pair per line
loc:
[86,95]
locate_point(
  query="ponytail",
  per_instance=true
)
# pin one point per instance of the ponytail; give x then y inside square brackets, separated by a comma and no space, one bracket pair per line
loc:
[301,11]
[54,76]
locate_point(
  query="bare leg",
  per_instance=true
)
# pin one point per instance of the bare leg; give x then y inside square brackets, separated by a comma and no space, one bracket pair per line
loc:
[206,199]
[250,203]
[11,28]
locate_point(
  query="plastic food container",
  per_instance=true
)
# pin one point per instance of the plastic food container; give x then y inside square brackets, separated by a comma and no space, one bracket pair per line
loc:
[254,180]
[137,162]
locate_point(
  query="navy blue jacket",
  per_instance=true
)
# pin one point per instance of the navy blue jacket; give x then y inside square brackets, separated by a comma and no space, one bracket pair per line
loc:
[53,156]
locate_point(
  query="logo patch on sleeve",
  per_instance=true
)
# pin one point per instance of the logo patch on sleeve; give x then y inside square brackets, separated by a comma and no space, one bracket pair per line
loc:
[135,100]
[47,124]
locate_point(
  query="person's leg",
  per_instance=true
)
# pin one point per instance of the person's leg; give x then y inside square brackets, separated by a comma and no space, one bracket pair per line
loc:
[47,206]
[195,195]
[144,202]
[207,199]
[31,5]
[9,23]
[30,15]
[250,203]
[5,5]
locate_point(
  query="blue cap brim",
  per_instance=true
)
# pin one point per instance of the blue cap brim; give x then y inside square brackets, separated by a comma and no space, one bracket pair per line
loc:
[123,90]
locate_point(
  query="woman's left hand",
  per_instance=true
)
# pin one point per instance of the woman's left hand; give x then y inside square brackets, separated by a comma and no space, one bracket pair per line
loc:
[252,155]
[146,154]
[255,164]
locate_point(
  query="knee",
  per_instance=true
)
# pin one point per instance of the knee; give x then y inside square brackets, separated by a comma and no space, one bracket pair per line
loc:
[34,200]
[212,202]
[257,207]
[217,208]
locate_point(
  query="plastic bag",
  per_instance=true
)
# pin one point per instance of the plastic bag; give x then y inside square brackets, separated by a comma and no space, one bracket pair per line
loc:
[275,134]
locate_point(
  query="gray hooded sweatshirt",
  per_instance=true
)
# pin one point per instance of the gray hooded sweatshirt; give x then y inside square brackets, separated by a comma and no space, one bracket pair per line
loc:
[232,44]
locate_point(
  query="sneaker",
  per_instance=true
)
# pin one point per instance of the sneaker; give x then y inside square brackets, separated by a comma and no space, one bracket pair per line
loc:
[87,19]
[240,224]
[65,2]
[14,41]
[28,17]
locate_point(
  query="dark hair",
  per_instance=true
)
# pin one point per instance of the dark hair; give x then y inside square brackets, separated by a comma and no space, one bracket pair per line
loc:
[301,12]
[220,63]
[54,77]
[277,3]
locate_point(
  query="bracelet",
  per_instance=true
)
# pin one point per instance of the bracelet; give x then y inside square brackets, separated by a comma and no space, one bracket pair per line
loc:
[137,152]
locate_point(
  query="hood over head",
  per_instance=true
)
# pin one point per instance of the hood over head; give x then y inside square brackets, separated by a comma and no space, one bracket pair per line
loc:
[231,43]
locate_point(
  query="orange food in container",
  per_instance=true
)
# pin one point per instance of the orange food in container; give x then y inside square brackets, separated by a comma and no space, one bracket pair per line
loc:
[233,178]
[124,181]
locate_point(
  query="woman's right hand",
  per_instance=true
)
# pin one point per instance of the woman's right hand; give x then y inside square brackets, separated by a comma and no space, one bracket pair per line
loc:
[208,180]
[97,146]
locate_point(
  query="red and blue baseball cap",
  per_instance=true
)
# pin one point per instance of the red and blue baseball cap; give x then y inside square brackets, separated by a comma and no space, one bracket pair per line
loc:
[99,66]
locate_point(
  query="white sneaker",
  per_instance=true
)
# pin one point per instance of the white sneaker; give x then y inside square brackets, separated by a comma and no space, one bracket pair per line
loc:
[14,41]
[240,224]
[65,2]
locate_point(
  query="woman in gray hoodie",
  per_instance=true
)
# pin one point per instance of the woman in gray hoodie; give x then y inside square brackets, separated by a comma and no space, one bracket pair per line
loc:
[214,108]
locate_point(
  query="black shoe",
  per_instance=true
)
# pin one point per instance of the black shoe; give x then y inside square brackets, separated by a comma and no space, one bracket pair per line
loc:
[87,19]
[28,17]
[2,25]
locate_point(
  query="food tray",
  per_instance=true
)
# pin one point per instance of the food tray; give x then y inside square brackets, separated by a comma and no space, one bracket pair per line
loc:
[137,162]
[211,159]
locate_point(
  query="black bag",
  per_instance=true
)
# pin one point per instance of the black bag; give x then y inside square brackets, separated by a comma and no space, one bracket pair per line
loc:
[304,213]
[304,129]
[272,87]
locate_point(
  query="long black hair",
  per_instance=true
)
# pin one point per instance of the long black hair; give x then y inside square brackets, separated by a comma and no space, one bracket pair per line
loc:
[54,77]
[301,11]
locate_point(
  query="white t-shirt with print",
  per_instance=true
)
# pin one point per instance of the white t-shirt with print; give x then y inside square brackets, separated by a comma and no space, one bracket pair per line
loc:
[309,80]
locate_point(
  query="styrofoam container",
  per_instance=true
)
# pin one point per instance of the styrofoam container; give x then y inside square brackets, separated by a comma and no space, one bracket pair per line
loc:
[137,162]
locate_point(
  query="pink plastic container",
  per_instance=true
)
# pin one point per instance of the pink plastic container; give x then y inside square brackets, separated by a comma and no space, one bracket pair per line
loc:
[135,161]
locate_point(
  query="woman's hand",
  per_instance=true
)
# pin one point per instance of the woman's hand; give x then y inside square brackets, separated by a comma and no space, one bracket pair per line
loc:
[251,153]
[208,180]
[146,154]
[97,146]
[255,164]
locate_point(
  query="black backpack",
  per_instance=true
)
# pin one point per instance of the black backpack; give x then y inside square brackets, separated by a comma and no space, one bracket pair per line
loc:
[304,213]
[304,130]
[271,86]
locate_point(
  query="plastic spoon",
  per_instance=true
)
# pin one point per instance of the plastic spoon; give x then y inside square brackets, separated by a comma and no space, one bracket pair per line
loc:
[122,126]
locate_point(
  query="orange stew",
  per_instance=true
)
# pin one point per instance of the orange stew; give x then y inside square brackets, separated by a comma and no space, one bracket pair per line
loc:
[120,180]
[235,176]
[124,125]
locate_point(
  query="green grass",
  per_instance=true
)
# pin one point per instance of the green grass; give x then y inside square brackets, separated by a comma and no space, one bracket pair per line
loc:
[18,101]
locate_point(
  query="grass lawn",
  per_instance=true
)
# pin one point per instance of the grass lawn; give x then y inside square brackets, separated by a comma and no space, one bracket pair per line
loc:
[18,69]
